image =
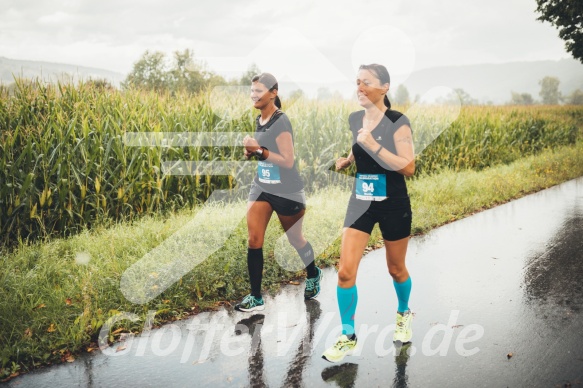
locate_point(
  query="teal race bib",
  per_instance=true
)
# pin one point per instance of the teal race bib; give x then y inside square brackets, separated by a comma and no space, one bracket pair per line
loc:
[371,187]
[268,173]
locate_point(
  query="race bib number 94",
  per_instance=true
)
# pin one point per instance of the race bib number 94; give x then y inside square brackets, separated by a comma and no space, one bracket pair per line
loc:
[371,187]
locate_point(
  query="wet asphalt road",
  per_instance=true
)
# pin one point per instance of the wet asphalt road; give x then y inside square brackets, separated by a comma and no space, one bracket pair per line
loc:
[497,298]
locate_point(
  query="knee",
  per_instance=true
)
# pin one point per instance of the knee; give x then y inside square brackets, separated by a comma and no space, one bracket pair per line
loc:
[398,272]
[346,276]
[298,242]
[255,241]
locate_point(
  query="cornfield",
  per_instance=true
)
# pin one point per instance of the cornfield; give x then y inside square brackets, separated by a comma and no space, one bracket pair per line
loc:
[64,165]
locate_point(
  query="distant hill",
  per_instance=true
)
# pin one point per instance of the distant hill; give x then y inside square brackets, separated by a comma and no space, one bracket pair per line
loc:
[52,72]
[486,82]
[495,82]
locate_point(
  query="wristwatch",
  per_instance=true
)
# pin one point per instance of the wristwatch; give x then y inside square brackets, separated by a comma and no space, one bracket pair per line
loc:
[259,152]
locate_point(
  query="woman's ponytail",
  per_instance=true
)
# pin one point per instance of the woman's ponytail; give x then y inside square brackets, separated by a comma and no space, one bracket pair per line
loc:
[277,102]
[387,102]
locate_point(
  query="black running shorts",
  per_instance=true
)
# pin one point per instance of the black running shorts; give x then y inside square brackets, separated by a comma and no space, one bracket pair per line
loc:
[283,204]
[393,215]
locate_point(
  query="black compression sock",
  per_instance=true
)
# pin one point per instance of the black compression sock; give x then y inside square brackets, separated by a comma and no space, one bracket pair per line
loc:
[307,255]
[255,267]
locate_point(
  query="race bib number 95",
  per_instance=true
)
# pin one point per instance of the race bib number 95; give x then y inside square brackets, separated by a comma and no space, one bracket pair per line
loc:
[268,173]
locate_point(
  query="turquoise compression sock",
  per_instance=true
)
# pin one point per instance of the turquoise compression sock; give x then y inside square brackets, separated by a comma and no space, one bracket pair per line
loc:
[403,292]
[347,300]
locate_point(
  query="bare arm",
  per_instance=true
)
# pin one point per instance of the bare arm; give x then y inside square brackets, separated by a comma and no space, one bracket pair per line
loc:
[285,158]
[404,160]
[350,157]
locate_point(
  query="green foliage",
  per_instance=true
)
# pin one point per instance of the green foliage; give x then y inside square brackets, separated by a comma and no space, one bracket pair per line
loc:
[184,74]
[251,72]
[296,95]
[521,99]
[64,165]
[458,96]
[567,17]
[402,95]
[148,73]
[575,98]
[485,136]
[549,90]
[465,97]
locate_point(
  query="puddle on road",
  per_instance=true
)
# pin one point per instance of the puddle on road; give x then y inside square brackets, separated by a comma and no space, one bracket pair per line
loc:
[553,277]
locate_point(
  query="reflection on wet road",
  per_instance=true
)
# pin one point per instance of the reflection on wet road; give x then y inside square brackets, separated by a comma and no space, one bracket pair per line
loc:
[553,276]
[497,299]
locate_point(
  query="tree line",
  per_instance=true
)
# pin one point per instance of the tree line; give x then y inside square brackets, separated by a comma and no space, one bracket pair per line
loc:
[549,94]
[183,73]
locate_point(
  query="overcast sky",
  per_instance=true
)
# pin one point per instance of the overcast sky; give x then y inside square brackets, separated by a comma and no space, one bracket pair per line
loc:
[303,39]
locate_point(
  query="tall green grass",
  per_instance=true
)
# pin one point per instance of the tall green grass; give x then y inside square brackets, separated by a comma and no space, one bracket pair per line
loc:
[64,165]
[484,136]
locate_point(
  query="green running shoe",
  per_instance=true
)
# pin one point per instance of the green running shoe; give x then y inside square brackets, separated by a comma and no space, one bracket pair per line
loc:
[343,347]
[403,332]
[250,303]
[313,285]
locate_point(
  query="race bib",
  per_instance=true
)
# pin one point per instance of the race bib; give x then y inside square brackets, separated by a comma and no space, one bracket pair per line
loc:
[371,187]
[268,173]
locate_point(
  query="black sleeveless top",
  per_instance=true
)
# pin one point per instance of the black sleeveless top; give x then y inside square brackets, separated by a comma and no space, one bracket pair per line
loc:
[383,134]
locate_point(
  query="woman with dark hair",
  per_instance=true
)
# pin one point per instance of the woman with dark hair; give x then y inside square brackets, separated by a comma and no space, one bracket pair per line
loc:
[276,187]
[383,151]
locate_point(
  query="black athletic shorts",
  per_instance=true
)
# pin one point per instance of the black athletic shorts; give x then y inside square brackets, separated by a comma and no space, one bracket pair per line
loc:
[283,204]
[393,215]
